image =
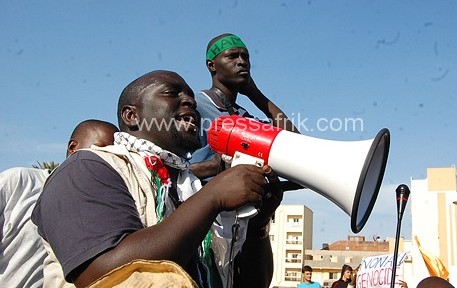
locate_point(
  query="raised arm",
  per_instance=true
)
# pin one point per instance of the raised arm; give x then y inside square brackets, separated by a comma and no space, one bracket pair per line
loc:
[270,109]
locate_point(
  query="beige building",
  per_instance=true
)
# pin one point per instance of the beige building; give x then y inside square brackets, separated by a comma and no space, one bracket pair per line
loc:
[434,221]
[291,234]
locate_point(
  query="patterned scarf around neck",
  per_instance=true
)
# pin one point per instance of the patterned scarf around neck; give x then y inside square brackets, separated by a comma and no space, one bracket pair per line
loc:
[156,160]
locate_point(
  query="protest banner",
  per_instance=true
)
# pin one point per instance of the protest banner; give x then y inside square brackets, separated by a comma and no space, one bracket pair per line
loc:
[376,271]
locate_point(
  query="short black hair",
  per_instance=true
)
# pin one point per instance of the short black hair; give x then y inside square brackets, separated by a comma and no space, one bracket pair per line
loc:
[83,126]
[132,95]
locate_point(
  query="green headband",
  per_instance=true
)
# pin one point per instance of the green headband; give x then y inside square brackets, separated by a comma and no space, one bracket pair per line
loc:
[230,41]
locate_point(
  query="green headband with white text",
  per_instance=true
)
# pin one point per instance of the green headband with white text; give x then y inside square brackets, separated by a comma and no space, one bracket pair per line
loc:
[227,42]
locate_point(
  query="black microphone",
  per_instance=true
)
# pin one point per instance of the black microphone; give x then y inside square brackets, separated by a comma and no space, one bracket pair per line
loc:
[402,198]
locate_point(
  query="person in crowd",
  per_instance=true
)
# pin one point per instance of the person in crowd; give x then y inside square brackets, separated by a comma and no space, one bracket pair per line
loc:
[137,199]
[347,279]
[91,132]
[434,282]
[21,249]
[228,61]
[306,282]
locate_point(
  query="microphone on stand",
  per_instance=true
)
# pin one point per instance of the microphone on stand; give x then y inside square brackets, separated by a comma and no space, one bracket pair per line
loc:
[402,192]
[402,198]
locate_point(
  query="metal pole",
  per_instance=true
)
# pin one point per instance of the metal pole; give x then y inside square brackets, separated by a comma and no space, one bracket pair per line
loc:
[394,265]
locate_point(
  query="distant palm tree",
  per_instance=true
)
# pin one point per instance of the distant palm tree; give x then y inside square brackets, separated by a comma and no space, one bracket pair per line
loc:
[46,165]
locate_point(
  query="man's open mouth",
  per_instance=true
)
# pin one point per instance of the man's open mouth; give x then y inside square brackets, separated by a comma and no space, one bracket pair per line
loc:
[188,122]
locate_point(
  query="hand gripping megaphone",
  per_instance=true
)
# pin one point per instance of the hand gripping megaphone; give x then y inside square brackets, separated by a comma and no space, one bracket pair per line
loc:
[349,173]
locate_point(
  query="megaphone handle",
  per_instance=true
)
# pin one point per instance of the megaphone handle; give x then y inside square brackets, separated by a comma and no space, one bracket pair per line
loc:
[247,211]
[289,185]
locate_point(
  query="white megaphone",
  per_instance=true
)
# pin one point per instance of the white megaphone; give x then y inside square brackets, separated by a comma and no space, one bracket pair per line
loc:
[349,173]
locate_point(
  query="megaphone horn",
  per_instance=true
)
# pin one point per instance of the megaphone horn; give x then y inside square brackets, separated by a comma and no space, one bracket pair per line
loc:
[349,173]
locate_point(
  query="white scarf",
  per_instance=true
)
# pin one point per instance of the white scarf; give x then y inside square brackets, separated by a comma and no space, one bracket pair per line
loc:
[187,183]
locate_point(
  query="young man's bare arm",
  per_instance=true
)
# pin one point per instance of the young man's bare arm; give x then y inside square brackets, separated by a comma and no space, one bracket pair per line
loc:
[270,109]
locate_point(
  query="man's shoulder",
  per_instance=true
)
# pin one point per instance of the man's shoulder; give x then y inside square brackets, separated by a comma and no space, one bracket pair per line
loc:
[20,186]
[80,156]
[207,100]
[311,285]
[79,162]
[22,174]
[87,153]
[98,154]
[203,95]
[24,171]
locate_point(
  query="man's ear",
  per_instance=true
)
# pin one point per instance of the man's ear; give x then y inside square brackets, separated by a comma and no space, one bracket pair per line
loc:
[210,65]
[72,147]
[130,117]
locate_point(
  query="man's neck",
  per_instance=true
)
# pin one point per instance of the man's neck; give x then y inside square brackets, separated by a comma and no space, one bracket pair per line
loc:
[224,92]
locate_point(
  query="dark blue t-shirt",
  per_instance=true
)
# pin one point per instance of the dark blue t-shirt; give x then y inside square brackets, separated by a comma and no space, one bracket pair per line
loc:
[85,209]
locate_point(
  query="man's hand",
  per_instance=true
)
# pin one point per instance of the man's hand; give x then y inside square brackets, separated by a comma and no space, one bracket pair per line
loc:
[247,184]
[249,89]
[270,201]
[354,276]
[271,111]
[403,284]
[238,186]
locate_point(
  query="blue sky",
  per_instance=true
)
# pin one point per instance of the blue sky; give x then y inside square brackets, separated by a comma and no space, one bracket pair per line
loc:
[387,63]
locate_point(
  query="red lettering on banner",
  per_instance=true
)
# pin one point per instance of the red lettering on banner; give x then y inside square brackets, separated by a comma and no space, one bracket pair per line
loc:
[374,278]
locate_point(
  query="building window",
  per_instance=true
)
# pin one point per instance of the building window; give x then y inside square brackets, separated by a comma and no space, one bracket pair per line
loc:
[294,238]
[294,220]
[292,275]
[293,256]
